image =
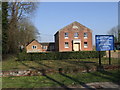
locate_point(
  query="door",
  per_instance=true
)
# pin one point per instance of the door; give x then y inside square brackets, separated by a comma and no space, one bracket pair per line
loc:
[76,47]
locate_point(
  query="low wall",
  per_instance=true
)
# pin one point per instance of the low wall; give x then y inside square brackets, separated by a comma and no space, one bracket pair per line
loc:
[43,72]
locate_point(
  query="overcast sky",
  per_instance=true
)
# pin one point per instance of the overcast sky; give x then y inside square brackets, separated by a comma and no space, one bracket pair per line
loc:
[100,17]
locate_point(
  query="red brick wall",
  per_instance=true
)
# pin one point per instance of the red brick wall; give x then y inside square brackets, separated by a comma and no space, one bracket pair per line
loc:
[30,49]
[89,40]
[60,40]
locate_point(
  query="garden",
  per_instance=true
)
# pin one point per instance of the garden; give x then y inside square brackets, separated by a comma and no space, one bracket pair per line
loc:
[58,73]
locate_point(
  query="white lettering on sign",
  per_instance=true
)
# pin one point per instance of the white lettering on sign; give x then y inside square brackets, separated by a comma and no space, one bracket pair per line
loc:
[105,42]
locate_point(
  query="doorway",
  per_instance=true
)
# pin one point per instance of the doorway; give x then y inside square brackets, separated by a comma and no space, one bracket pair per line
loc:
[76,46]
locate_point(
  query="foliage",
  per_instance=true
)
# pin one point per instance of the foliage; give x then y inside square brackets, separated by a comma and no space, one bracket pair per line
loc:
[119,33]
[0,28]
[59,55]
[16,32]
[11,63]
[4,27]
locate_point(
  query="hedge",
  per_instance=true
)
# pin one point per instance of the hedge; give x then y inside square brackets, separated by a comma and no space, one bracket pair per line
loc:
[59,55]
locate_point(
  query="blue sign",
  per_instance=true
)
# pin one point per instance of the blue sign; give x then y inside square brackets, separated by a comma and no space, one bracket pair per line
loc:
[104,42]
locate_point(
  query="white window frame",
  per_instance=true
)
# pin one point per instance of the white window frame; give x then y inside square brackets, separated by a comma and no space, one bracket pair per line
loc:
[67,45]
[75,35]
[85,45]
[85,36]
[66,36]
[34,46]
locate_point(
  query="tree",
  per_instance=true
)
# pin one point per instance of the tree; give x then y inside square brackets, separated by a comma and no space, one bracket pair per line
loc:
[119,33]
[0,29]
[27,30]
[114,31]
[13,14]
[17,11]
[4,27]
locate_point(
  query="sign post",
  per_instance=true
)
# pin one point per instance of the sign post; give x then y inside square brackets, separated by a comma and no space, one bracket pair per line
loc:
[99,58]
[104,43]
[109,57]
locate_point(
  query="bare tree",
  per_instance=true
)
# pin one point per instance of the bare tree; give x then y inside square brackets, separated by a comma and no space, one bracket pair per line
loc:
[21,10]
[27,32]
[17,11]
[114,31]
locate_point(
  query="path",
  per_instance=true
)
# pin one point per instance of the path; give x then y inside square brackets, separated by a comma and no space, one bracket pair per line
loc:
[100,85]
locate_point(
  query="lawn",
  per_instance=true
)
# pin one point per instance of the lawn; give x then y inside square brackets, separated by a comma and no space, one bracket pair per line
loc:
[71,79]
[60,80]
[11,63]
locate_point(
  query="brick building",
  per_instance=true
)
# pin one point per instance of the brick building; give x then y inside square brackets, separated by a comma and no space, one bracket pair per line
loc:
[48,46]
[74,37]
[35,46]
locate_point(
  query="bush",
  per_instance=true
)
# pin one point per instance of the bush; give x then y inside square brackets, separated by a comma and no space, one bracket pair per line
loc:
[60,55]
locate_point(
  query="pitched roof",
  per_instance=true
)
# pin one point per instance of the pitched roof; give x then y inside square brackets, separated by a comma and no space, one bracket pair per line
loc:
[32,41]
[74,23]
[43,43]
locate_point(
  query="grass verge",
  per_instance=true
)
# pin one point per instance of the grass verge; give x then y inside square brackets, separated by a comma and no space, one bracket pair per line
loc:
[11,63]
[61,80]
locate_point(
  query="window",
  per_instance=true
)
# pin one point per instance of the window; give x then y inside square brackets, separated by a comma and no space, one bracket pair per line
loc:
[85,35]
[75,35]
[66,35]
[75,27]
[44,47]
[66,45]
[85,44]
[34,47]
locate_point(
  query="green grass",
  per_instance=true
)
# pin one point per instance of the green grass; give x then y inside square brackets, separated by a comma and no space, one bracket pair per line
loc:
[56,79]
[11,63]
[60,80]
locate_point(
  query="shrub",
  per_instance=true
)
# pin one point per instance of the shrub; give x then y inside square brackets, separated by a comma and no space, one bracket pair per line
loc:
[59,55]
